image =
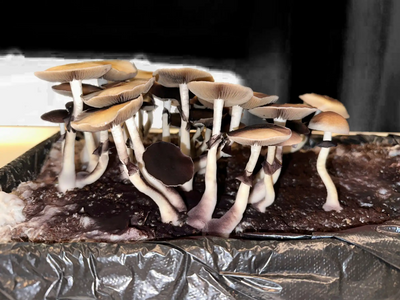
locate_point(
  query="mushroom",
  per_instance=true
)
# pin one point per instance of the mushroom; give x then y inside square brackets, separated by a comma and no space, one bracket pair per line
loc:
[281,113]
[263,193]
[328,122]
[87,155]
[74,74]
[110,119]
[120,70]
[58,116]
[258,99]
[166,95]
[221,94]
[180,77]
[325,103]
[254,136]
[148,106]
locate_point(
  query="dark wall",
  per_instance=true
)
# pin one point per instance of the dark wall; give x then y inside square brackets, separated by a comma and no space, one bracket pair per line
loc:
[281,47]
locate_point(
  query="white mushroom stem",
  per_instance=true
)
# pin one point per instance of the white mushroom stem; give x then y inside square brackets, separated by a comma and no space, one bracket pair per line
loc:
[62,132]
[268,183]
[149,123]
[171,194]
[184,132]
[236,116]
[332,200]
[140,122]
[227,223]
[202,212]
[100,167]
[168,213]
[90,146]
[67,176]
[166,134]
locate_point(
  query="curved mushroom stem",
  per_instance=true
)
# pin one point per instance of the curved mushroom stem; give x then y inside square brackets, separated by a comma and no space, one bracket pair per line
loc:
[87,152]
[227,223]
[67,176]
[171,194]
[268,183]
[184,132]
[101,166]
[332,200]
[166,134]
[168,213]
[236,116]
[202,212]
[140,122]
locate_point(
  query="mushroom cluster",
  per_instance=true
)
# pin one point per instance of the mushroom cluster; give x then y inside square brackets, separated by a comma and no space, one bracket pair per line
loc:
[208,116]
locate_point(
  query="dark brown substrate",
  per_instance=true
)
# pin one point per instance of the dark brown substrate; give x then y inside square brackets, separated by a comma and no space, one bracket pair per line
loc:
[367,179]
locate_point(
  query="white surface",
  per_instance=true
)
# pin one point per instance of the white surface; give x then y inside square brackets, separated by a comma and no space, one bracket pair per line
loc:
[24,97]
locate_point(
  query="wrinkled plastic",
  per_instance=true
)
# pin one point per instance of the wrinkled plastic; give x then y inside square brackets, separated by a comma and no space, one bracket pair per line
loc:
[360,263]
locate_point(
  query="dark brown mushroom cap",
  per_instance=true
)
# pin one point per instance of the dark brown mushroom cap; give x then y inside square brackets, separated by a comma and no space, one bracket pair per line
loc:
[232,94]
[104,119]
[262,134]
[325,103]
[118,93]
[259,99]
[297,126]
[167,163]
[56,116]
[173,77]
[329,121]
[65,89]
[286,111]
[77,71]
[120,70]
[164,93]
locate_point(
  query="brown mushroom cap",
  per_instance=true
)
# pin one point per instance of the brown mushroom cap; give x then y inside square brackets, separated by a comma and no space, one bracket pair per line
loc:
[65,89]
[77,71]
[104,119]
[120,70]
[232,94]
[286,111]
[141,74]
[171,77]
[329,121]
[118,93]
[294,139]
[259,99]
[167,163]
[56,116]
[263,134]
[325,103]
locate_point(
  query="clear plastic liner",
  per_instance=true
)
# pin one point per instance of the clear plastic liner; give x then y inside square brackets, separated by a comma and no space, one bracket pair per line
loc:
[360,263]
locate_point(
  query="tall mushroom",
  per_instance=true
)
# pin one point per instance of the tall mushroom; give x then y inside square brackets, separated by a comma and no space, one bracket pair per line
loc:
[120,93]
[255,136]
[110,119]
[328,122]
[180,77]
[74,74]
[221,94]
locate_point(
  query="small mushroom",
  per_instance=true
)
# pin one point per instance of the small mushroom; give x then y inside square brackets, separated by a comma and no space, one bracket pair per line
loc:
[110,119]
[325,103]
[74,74]
[60,117]
[180,77]
[328,122]
[258,99]
[263,194]
[254,136]
[220,94]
